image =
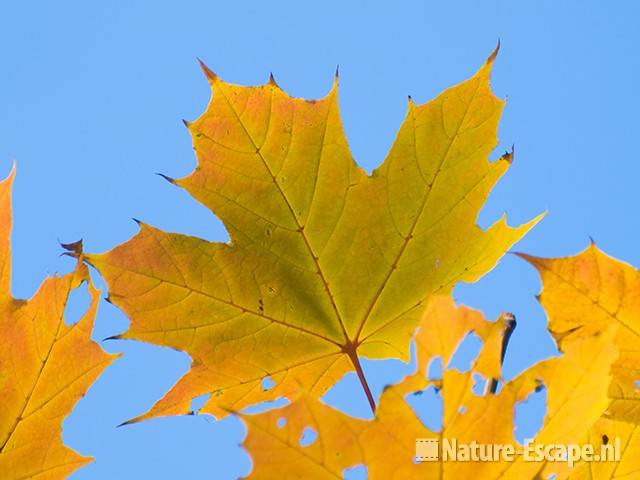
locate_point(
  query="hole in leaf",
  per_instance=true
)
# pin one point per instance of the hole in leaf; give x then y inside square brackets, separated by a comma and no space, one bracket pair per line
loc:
[357,472]
[281,422]
[267,383]
[97,279]
[499,387]
[529,415]
[347,394]
[479,384]
[198,402]
[264,406]
[462,409]
[466,353]
[434,372]
[428,407]
[308,437]
[77,304]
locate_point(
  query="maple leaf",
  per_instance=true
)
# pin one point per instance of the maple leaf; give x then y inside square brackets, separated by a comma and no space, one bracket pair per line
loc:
[606,431]
[576,394]
[325,264]
[45,367]
[586,294]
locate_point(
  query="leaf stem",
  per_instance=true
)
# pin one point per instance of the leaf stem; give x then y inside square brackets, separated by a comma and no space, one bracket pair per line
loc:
[353,356]
[509,320]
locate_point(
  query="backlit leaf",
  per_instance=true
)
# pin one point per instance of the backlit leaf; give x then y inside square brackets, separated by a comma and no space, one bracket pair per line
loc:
[577,394]
[46,366]
[325,264]
[605,432]
[587,294]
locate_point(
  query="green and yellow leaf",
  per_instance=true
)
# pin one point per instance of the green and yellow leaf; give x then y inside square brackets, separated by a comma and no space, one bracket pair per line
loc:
[326,264]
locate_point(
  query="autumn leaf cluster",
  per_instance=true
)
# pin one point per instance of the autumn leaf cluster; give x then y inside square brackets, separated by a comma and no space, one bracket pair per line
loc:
[328,265]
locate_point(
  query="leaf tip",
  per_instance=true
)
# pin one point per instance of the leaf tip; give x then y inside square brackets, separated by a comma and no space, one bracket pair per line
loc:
[74,248]
[112,337]
[211,76]
[169,179]
[508,156]
[272,81]
[12,173]
[128,422]
[534,261]
[494,54]
[336,81]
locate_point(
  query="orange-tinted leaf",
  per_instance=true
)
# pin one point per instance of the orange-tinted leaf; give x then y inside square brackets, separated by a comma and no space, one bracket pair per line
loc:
[45,367]
[587,294]
[445,325]
[577,395]
[325,263]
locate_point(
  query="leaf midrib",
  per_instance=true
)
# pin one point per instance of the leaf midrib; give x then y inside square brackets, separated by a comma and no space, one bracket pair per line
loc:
[409,236]
[231,304]
[300,227]
[596,302]
[27,399]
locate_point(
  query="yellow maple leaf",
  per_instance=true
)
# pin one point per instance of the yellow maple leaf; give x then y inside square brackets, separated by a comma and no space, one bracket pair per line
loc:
[577,394]
[586,294]
[607,432]
[325,264]
[45,367]
[440,336]
[583,296]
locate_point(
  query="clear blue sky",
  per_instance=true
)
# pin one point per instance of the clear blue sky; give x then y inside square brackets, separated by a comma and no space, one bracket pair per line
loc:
[92,95]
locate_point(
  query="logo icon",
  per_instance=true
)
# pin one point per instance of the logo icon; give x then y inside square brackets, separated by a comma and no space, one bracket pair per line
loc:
[427,449]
